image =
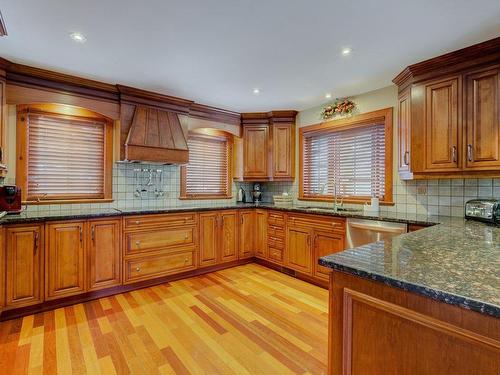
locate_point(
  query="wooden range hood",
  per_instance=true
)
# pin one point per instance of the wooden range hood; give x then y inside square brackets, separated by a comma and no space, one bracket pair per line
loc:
[156,135]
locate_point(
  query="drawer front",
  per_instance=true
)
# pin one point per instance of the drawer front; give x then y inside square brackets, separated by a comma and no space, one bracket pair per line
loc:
[318,222]
[276,243]
[276,218]
[152,267]
[155,221]
[275,231]
[275,255]
[160,239]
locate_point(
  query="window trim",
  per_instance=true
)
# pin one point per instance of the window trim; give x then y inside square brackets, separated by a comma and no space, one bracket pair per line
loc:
[362,120]
[213,134]
[62,111]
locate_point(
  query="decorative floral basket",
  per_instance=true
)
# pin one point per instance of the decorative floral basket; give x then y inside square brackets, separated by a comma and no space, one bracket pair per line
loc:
[340,107]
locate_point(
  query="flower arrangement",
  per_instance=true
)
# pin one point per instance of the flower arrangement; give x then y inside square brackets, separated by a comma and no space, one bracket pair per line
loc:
[340,107]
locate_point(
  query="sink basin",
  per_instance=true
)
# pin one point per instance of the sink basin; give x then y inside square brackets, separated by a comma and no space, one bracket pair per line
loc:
[330,209]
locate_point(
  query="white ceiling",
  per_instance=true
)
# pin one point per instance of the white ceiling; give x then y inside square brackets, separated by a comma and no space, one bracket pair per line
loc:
[216,51]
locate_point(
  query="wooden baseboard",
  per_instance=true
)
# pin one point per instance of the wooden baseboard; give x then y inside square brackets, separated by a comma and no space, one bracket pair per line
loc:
[293,273]
[62,302]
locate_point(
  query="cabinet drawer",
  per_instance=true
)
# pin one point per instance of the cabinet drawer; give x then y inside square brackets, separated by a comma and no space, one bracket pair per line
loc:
[154,221]
[276,218]
[276,231]
[276,243]
[275,254]
[151,267]
[159,239]
[317,222]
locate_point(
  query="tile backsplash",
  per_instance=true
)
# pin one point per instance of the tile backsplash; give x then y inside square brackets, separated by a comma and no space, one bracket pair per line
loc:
[427,197]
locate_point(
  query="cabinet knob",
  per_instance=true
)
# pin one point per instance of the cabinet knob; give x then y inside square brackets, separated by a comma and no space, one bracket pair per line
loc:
[186,260]
[186,237]
[137,222]
[138,269]
[138,243]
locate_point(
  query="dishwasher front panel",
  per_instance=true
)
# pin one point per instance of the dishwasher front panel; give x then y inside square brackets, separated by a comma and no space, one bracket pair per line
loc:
[362,231]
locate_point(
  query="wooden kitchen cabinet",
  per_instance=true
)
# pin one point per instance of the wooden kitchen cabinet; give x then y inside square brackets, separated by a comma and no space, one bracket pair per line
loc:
[247,234]
[482,119]
[104,254]
[3,124]
[261,234]
[218,237]
[326,243]
[256,152]
[65,259]
[269,146]
[24,249]
[283,145]
[449,115]
[298,254]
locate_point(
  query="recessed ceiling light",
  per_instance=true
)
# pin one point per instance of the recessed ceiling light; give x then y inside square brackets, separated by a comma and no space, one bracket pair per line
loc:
[328,96]
[346,51]
[78,37]
[256,91]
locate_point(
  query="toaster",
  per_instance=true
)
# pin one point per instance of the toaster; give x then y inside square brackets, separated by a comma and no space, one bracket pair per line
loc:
[483,210]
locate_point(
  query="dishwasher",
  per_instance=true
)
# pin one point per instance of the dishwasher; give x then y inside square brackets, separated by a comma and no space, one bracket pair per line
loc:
[362,231]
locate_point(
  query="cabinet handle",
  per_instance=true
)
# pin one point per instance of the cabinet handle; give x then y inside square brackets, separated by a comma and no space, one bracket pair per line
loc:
[186,237]
[35,244]
[138,243]
[469,152]
[137,222]
[309,240]
[92,233]
[138,269]
[241,219]
[454,154]
[406,160]
[81,234]
[186,260]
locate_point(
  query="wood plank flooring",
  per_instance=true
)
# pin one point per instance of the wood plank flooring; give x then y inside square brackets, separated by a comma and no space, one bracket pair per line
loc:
[243,320]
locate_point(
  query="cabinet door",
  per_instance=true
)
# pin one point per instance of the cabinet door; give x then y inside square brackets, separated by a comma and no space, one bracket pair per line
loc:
[255,152]
[326,243]
[404,134]
[104,255]
[228,221]
[3,125]
[283,151]
[443,124]
[483,120]
[65,260]
[261,234]
[298,255]
[24,260]
[247,234]
[208,238]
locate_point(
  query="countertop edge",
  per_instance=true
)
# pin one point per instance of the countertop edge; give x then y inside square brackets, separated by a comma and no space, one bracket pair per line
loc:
[435,294]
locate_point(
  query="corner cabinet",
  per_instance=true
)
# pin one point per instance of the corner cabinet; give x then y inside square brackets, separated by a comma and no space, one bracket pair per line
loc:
[269,146]
[449,124]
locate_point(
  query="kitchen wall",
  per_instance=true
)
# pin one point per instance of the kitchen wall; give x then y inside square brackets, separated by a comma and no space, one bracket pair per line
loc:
[432,197]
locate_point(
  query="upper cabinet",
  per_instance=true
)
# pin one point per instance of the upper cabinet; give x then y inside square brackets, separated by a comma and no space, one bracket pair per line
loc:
[448,115]
[269,146]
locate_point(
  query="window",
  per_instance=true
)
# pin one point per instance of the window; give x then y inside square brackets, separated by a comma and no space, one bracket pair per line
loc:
[350,157]
[64,154]
[208,173]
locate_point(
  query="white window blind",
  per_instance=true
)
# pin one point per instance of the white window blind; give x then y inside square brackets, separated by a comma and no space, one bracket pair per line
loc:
[351,161]
[208,170]
[65,157]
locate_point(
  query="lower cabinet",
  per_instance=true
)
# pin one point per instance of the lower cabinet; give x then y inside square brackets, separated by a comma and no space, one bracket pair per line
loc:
[298,254]
[247,234]
[157,266]
[24,250]
[65,259]
[325,243]
[261,234]
[104,255]
[218,237]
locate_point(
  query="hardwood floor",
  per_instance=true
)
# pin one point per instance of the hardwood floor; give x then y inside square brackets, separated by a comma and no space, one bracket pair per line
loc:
[243,320]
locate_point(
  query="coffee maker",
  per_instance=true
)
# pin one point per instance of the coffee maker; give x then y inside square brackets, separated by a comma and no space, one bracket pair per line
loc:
[256,193]
[10,199]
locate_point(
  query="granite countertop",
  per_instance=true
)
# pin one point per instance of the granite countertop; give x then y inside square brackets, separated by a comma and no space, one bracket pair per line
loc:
[85,213]
[457,262]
